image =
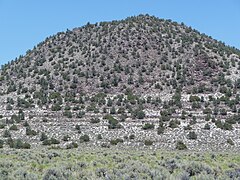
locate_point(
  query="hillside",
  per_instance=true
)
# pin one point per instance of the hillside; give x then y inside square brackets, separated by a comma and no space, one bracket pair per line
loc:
[141,81]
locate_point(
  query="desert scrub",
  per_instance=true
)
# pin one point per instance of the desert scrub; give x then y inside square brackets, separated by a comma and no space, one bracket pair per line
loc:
[101,163]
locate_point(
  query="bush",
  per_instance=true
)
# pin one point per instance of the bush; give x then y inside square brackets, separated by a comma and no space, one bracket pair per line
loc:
[194,98]
[207,126]
[207,111]
[18,144]
[68,114]
[30,132]
[161,128]
[113,123]
[54,141]
[116,141]
[43,137]
[148,142]
[9,107]
[99,136]
[46,142]
[196,168]
[77,127]
[54,174]
[174,123]
[56,107]
[148,126]
[72,145]
[230,141]
[139,114]
[2,126]
[227,126]
[84,138]
[51,141]
[1,143]
[223,112]
[25,124]
[192,135]
[24,174]
[95,120]
[66,138]
[132,136]
[180,145]
[188,127]
[13,128]
[6,134]
[80,114]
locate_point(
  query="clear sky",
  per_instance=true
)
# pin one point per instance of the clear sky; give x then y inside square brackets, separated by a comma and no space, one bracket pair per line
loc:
[25,23]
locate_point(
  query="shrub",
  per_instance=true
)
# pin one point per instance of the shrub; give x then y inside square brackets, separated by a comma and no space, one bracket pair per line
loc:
[43,137]
[54,141]
[116,141]
[30,132]
[148,142]
[72,145]
[1,143]
[148,126]
[230,141]
[2,126]
[66,138]
[180,145]
[68,114]
[46,142]
[54,174]
[113,123]
[207,126]
[9,107]
[196,168]
[132,136]
[165,118]
[80,114]
[95,120]
[174,123]
[188,127]
[56,107]
[13,128]
[99,136]
[6,134]
[84,138]
[223,112]
[227,126]
[77,127]
[25,124]
[207,111]
[161,128]
[194,98]
[15,118]
[139,114]
[18,144]
[192,135]
[51,141]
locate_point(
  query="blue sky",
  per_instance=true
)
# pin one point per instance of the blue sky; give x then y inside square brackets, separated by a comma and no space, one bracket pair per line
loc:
[25,23]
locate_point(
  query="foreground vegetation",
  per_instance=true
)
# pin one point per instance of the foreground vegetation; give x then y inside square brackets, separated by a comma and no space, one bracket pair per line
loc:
[111,163]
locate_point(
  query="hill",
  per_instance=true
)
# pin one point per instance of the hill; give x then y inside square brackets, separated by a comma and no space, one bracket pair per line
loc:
[141,81]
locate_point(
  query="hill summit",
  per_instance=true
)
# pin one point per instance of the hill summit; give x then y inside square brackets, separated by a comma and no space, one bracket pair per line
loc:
[142,81]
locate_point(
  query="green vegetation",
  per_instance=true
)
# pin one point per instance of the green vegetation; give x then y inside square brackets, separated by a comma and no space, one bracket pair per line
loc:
[113,123]
[84,138]
[116,164]
[180,146]
[116,141]
[148,126]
